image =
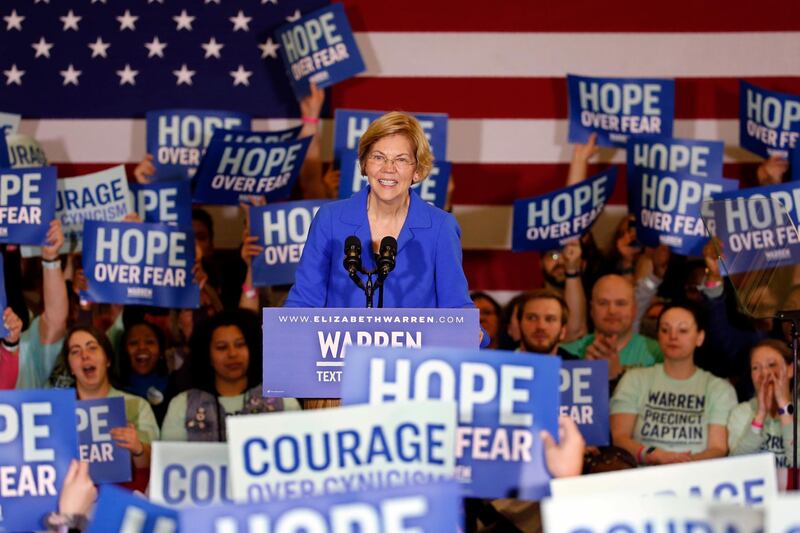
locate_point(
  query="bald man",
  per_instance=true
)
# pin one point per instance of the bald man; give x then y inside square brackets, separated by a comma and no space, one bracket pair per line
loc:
[613,309]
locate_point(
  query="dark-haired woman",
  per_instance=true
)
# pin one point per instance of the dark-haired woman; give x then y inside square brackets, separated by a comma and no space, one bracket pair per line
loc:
[143,366]
[226,367]
[673,412]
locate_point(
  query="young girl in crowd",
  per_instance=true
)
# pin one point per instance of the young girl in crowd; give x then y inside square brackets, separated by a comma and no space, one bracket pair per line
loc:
[226,368]
[673,412]
[765,422]
[88,355]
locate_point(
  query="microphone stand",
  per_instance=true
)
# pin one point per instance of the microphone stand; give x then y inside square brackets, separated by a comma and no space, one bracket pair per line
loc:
[793,317]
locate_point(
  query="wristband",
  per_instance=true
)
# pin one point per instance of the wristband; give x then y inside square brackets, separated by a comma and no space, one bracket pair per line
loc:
[712,284]
[787,409]
[570,275]
[757,426]
[51,264]
[640,455]
[249,291]
[309,120]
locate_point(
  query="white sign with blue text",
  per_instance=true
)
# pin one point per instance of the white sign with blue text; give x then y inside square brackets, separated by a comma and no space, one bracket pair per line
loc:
[189,474]
[108,462]
[27,204]
[432,189]
[139,264]
[38,440]
[617,108]
[350,124]
[429,508]
[668,181]
[121,510]
[168,202]
[320,48]
[177,138]
[282,230]
[745,479]
[287,455]
[548,221]
[9,123]
[782,514]
[504,400]
[769,121]
[231,170]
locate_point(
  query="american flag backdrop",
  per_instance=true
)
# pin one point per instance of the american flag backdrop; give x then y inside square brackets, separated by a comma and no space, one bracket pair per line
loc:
[83,73]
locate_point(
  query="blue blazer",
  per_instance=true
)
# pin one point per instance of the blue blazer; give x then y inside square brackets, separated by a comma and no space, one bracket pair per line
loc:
[428,272]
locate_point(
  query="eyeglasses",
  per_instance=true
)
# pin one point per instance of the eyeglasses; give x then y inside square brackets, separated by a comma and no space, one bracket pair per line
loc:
[400,162]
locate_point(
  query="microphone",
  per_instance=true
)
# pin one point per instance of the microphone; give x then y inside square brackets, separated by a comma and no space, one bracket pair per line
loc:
[387,255]
[352,255]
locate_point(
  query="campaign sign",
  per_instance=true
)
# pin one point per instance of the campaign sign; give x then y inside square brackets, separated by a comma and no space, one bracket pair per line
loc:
[584,398]
[176,138]
[504,400]
[27,204]
[615,513]
[616,108]
[9,122]
[548,221]
[231,170]
[102,195]
[306,353]
[168,202]
[432,189]
[782,515]
[669,179]
[188,474]
[37,442]
[282,230]
[140,264]
[4,161]
[262,137]
[757,227]
[118,509]
[3,299]
[108,462]
[769,121]
[279,456]
[431,508]
[319,47]
[744,479]
[794,163]
[350,124]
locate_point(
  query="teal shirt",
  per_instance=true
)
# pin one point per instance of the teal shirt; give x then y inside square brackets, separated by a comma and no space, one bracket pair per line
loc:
[640,350]
[36,360]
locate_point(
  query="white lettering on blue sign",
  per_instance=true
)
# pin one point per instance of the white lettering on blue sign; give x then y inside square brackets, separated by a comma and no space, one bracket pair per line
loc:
[305,38]
[164,200]
[616,98]
[191,131]
[672,157]
[27,479]
[567,205]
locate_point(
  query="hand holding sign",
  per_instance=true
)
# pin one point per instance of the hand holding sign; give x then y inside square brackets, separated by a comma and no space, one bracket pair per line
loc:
[79,492]
[54,241]
[771,171]
[12,323]
[564,459]
[128,438]
[144,170]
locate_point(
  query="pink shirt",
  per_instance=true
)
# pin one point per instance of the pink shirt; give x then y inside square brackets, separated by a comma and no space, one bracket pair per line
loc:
[9,367]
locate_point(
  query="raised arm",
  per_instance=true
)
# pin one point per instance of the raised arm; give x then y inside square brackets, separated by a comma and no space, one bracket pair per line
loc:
[53,323]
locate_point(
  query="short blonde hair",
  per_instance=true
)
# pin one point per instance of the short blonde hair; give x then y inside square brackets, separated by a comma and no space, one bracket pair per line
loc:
[397,123]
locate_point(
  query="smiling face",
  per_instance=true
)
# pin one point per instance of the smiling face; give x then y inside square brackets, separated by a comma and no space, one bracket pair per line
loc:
[88,361]
[143,349]
[678,335]
[230,356]
[766,361]
[391,168]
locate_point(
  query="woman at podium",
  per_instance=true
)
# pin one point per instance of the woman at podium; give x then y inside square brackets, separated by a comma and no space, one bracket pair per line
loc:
[394,155]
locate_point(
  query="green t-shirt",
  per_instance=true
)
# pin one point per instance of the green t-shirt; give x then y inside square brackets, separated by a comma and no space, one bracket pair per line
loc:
[774,437]
[36,360]
[673,414]
[139,413]
[640,350]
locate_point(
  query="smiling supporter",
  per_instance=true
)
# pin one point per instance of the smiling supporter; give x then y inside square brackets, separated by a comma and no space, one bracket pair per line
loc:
[226,369]
[673,412]
[143,365]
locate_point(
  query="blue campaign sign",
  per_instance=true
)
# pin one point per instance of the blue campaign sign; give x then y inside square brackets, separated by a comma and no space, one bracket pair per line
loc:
[584,398]
[757,227]
[668,181]
[307,348]
[319,47]
[548,221]
[282,230]
[37,442]
[4,161]
[121,510]
[231,170]
[262,137]
[504,400]
[432,189]
[616,108]
[431,508]
[3,298]
[140,264]
[27,204]
[350,124]
[794,162]
[108,462]
[169,202]
[769,121]
[176,138]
